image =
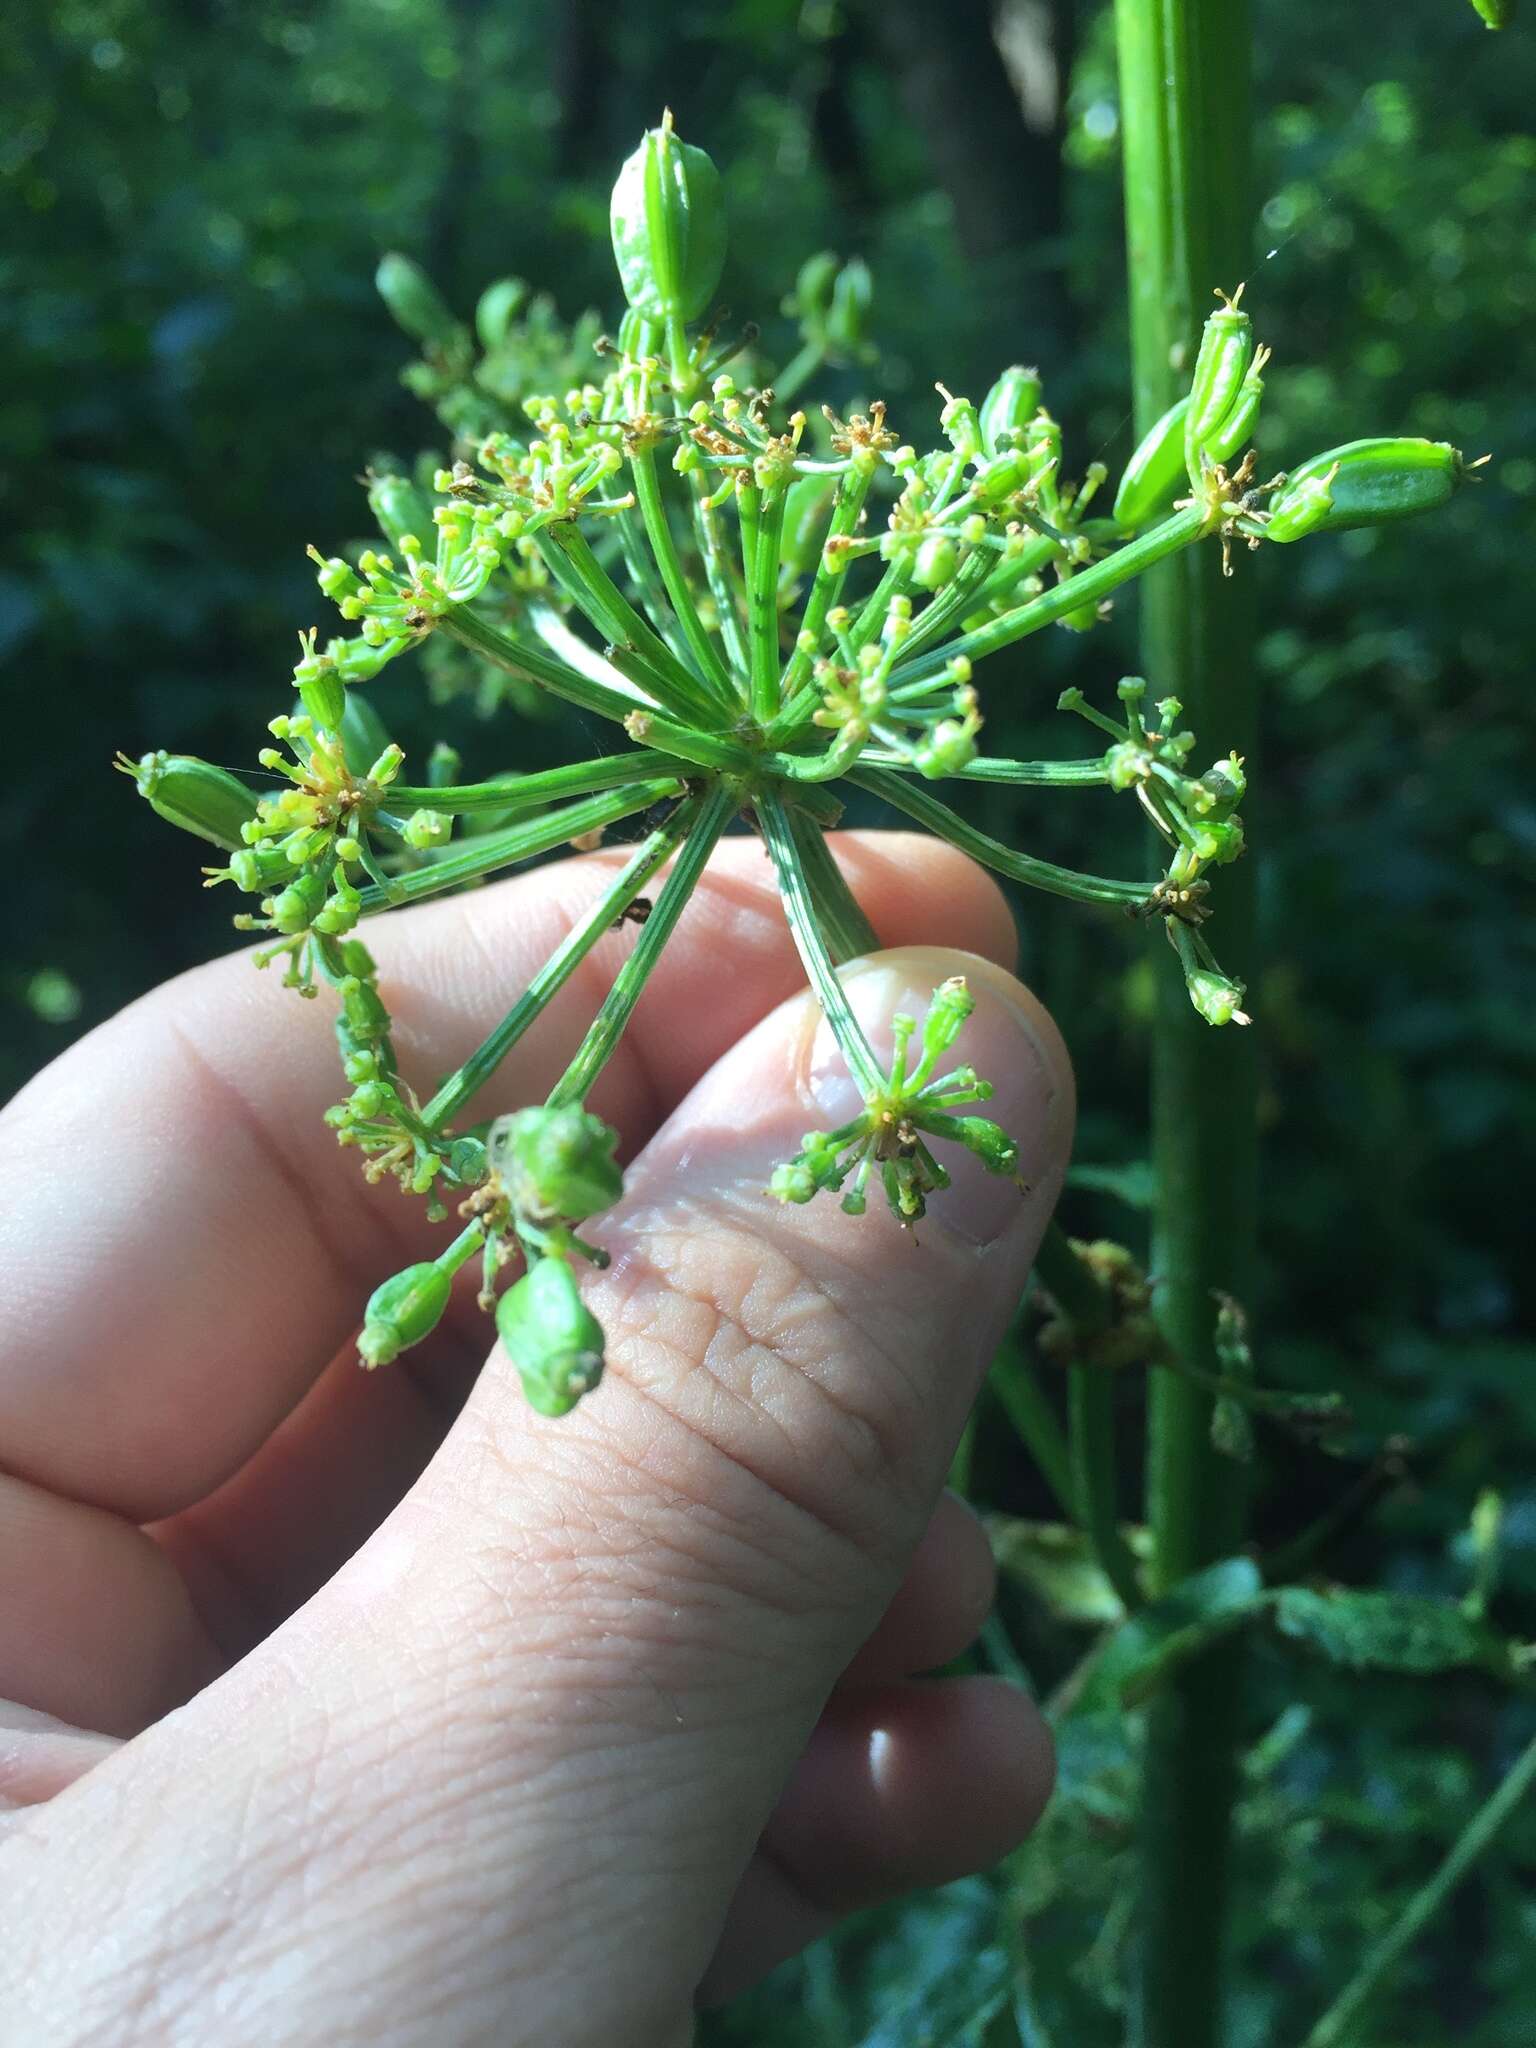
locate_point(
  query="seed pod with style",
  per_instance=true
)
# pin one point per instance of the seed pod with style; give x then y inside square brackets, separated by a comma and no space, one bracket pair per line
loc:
[551,1336]
[668,224]
[1154,476]
[1221,368]
[1364,483]
[193,794]
[1008,408]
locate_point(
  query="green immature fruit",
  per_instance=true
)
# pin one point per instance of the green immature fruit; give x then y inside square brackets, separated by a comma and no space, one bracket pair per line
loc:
[1226,354]
[414,300]
[195,795]
[558,1163]
[1495,13]
[668,224]
[402,1312]
[1008,408]
[1364,483]
[498,306]
[551,1336]
[853,291]
[321,691]
[1154,476]
[399,507]
[295,908]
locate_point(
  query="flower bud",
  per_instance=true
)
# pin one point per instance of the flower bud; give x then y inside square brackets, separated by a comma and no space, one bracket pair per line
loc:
[668,224]
[1008,408]
[413,299]
[551,1336]
[936,561]
[402,1312]
[426,828]
[195,795]
[558,1163]
[949,748]
[951,1005]
[1215,995]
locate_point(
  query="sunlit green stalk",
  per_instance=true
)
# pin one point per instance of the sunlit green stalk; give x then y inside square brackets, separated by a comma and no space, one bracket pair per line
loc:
[525,792]
[492,850]
[461,1087]
[1340,2025]
[558,677]
[595,594]
[1184,115]
[1087,587]
[906,796]
[653,512]
[714,813]
[811,942]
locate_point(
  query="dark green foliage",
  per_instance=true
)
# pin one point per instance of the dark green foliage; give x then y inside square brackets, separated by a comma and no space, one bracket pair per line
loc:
[195,355]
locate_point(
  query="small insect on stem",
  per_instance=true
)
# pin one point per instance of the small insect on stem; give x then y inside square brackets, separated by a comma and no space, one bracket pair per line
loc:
[633,913]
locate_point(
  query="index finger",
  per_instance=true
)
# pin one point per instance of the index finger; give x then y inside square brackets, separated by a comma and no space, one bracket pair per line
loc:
[187,1247]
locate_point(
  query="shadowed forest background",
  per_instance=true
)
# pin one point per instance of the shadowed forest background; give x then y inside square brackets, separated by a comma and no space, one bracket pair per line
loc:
[197,370]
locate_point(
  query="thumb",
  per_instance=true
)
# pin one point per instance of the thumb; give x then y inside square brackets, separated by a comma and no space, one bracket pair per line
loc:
[541,1719]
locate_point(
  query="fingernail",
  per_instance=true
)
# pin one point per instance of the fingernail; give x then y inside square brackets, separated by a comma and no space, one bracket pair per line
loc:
[1009,1040]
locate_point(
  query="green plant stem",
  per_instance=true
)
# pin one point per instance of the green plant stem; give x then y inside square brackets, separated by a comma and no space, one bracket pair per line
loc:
[905,796]
[525,792]
[1339,2026]
[805,926]
[653,511]
[532,666]
[800,695]
[848,931]
[1184,115]
[717,574]
[1089,1308]
[1024,774]
[1087,587]
[518,842]
[570,559]
[1019,1394]
[713,814]
[462,1086]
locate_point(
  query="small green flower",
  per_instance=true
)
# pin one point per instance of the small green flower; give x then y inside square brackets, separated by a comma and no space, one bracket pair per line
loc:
[888,1137]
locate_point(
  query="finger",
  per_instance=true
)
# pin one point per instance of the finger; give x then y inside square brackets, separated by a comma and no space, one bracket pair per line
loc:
[196,1246]
[40,1755]
[900,1787]
[542,1717]
[940,1605]
[96,1626]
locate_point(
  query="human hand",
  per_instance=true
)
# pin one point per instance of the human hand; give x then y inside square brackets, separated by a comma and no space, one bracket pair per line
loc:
[380,1708]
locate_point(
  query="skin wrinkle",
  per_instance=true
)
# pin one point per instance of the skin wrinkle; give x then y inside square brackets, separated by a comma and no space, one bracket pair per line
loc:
[643,1294]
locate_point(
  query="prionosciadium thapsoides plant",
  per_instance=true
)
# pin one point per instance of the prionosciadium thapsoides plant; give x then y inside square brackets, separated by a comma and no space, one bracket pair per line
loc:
[765,601]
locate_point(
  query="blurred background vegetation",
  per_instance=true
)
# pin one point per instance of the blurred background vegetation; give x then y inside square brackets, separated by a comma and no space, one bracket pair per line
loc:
[197,370]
